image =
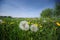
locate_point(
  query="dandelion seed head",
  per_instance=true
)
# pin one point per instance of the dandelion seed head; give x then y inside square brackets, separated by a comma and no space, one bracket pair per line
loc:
[34,28]
[24,25]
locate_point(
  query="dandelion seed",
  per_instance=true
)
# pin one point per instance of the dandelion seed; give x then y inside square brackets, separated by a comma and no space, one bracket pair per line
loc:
[34,28]
[24,25]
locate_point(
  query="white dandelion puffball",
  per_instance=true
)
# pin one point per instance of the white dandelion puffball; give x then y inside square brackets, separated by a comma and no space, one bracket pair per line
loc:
[1,21]
[34,28]
[24,25]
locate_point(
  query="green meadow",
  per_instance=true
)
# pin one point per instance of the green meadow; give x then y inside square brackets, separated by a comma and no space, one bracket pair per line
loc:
[49,30]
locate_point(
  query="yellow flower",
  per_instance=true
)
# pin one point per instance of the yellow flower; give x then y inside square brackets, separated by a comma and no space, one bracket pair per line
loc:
[58,23]
[36,24]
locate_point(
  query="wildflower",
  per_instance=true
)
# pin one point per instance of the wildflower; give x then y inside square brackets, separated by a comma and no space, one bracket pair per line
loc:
[58,23]
[24,25]
[34,28]
[36,24]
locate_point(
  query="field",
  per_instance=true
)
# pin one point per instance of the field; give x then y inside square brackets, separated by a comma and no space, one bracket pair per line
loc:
[48,29]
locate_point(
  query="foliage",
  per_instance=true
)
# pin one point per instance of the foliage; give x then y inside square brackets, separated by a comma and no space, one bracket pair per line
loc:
[57,9]
[47,13]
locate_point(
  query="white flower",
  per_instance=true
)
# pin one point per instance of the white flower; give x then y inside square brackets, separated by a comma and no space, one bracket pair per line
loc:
[24,25]
[1,21]
[34,28]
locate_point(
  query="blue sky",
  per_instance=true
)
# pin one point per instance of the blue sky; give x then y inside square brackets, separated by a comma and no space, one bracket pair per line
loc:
[24,8]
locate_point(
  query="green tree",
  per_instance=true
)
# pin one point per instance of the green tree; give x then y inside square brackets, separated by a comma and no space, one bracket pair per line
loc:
[57,9]
[47,13]
[9,16]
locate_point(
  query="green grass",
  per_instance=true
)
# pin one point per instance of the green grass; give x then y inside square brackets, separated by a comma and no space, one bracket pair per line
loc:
[10,31]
